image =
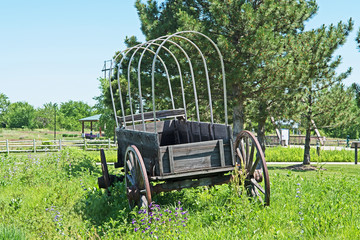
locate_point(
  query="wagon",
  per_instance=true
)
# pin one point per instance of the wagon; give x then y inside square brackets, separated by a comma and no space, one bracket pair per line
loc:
[162,150]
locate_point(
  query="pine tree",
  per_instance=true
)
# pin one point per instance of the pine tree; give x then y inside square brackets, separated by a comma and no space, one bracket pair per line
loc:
[251,34]
[313,61]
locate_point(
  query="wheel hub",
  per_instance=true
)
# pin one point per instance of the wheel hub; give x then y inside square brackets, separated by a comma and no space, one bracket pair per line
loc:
[133,193]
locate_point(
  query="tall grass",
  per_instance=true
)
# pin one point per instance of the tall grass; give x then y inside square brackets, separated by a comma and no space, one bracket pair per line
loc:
[55,197]
[11,232]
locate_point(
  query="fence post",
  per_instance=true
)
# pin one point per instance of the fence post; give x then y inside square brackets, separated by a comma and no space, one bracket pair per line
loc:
[34,143]
[7,146]
[60,147]
[85,147]
[109,143]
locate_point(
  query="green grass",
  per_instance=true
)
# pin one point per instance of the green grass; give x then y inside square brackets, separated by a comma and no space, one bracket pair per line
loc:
[288,154]
[11,232]
[54,196]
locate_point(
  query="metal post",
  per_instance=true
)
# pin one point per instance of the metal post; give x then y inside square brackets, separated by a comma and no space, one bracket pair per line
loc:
[34,143]
[318,147]
[55,105]
[356,155]
[7,146]
[60,147]
[109,143]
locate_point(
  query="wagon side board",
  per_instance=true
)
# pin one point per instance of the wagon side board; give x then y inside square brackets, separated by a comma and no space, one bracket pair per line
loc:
[195,157]
[146,142]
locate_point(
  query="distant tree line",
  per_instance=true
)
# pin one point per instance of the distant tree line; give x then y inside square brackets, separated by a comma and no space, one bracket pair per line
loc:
[24,115]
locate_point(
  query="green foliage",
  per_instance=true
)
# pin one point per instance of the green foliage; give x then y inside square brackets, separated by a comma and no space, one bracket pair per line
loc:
[45,116]
[20,115]
[4,104]
[70,112]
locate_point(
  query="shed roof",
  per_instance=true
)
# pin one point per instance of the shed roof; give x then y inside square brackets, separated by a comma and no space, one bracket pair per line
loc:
[91,118]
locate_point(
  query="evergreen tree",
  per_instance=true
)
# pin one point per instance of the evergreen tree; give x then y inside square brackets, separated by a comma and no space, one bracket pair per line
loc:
[313,62]
[251,34]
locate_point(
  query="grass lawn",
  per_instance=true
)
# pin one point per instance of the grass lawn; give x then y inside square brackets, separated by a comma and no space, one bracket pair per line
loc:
[55,196]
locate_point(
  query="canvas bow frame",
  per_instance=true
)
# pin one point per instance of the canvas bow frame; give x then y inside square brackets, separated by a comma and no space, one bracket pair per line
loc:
[154,47]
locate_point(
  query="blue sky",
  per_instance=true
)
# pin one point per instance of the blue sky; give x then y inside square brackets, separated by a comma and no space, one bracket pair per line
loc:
[53,51]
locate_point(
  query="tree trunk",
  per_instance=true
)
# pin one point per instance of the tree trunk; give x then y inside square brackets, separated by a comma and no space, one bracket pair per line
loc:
[307,147]
[261,133]
[238,118]
[261,125]
[308,131]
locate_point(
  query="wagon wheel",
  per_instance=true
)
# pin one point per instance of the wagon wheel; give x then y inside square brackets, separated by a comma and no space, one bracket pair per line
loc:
[104,169]
[251,158]
[137,183]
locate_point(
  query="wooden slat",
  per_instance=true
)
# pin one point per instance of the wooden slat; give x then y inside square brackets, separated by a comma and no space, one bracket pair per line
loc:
[232,152]
[171,158]
[221,150]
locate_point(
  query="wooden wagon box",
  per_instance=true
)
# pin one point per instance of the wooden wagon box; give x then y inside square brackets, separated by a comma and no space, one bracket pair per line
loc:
[179,147]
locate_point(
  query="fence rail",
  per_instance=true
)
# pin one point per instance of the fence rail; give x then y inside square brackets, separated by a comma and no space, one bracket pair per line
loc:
[300,140]
[11,146]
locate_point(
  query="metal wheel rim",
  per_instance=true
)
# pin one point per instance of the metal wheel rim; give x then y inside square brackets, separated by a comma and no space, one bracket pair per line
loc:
[245,146]
[136,177]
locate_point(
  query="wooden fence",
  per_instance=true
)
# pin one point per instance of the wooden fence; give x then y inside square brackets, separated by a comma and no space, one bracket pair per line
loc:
[10,146]
[300,140]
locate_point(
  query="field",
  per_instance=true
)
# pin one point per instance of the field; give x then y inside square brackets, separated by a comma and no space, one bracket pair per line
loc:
[38,134]
[55,196]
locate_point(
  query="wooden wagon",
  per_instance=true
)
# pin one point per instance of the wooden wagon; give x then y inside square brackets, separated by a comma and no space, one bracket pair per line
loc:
[166,147]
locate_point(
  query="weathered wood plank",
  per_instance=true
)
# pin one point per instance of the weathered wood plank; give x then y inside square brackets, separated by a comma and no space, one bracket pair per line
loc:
[171,158]
[193,156]
[221,151]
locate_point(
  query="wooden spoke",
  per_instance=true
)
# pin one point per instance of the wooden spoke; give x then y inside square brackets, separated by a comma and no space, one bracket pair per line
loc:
[131,180]
[258,195]
[254,166]
[247,153]
[238,153]
[257,181]
[243,152]
[257,185]
[144,203]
